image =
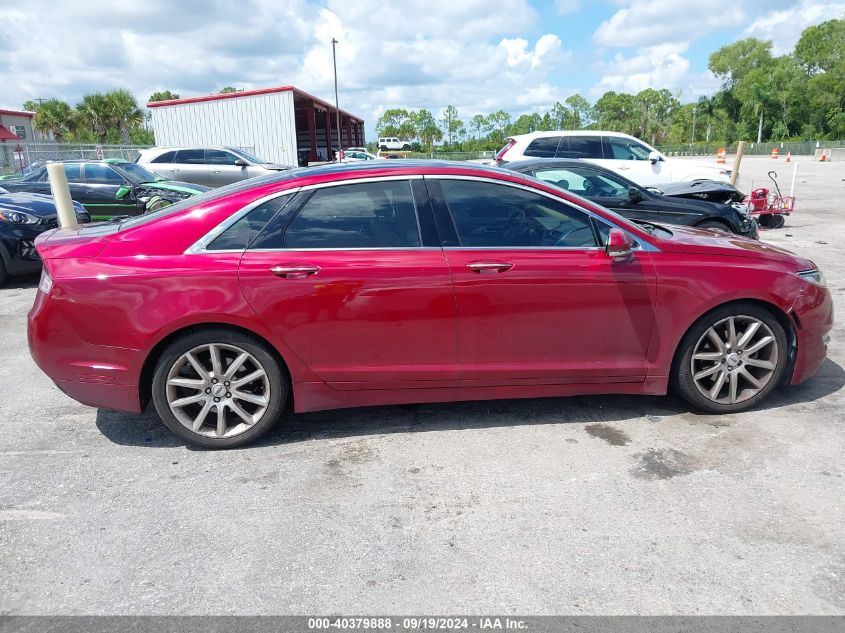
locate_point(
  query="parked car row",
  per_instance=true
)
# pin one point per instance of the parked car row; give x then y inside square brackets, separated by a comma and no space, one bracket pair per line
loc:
[414,281]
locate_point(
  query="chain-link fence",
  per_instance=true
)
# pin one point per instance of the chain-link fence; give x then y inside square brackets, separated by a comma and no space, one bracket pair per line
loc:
[798,148]
[18,158]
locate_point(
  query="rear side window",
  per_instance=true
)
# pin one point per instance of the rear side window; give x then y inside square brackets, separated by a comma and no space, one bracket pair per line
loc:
[190,157]
[166,157]
[580,147]
[621,148]
[242,233]
[73,172]
[543,147]
[366,215]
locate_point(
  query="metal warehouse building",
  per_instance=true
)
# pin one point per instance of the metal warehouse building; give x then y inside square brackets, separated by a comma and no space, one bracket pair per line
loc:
[282,125]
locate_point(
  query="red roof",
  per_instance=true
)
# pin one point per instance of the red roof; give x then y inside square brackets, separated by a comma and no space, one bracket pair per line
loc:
[249,93]
[18,113]
[6,135]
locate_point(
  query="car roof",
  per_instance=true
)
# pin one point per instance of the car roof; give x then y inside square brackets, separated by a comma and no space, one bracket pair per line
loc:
[107,161]
[545,133]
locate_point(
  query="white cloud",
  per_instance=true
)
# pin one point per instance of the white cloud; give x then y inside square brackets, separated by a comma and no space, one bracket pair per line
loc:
[652,22]
[784,27]
[417,53]
[565,7]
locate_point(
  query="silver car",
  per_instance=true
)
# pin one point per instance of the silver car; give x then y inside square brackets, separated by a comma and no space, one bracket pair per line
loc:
[209,166]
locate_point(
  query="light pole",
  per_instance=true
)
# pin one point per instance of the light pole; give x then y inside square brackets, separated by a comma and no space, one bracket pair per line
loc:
[336,103]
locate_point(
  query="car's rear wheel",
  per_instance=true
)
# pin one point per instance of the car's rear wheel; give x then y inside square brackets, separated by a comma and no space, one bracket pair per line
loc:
[383,148]
[731,358]
[3,273]
[218,388]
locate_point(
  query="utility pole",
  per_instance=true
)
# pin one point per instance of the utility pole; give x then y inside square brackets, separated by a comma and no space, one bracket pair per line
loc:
[336,103]
[694,110]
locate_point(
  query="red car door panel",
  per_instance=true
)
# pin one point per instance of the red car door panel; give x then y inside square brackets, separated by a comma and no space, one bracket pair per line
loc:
[538,300]
[374,309]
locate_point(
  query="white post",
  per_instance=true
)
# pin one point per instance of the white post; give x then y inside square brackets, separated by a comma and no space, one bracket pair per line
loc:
[61,196]
[792,188]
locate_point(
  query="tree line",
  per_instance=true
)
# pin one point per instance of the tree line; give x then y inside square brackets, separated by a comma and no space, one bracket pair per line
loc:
[763,97]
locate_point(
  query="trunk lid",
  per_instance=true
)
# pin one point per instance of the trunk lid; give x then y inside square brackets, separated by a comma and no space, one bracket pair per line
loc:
[87,240]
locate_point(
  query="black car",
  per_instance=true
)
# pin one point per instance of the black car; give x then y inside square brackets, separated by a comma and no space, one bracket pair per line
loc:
[109,187]
[632,201]
[24,216]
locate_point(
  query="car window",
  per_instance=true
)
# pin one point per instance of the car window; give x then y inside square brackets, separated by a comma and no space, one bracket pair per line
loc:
[493,215]
[242,233]
[625,149]
[563,178]
[166,157]
[366,215]
[190,157]
[543,147]
[99,174]
[580,147]
[219,157]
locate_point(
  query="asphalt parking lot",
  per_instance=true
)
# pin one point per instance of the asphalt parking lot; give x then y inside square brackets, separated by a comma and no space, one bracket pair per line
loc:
[589,505]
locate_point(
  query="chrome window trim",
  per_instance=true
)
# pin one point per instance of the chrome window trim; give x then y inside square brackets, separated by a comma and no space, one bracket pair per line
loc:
[644,246]
[199,247]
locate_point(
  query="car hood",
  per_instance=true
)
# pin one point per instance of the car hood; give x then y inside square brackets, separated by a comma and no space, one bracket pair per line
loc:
[719,244]
[176,185]
[37,204]
[703,189]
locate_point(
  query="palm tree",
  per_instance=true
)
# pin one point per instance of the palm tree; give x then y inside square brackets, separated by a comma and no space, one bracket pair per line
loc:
[124,112]
[95,111]
[54,117]
[707,106]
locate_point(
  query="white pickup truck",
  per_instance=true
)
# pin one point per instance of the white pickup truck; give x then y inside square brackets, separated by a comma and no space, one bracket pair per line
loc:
[391,143]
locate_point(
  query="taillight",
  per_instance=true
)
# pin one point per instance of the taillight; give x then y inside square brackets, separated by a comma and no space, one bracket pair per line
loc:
[500,156]
[46,282]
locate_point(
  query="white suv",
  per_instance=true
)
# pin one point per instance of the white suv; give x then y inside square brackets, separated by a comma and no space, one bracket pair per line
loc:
[629,156]
[391,143]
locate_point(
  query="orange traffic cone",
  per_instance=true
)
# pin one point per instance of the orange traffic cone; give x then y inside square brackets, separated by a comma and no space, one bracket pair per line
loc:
[720,156]
[789,156]
[824,156]
[775,152]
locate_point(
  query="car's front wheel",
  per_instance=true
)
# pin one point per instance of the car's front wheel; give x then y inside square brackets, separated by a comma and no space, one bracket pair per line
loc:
[218,388]
[731,358]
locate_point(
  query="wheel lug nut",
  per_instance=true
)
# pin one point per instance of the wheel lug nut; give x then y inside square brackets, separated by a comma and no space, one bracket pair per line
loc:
[228,395]
[217,400]
[214,380]
[208,390]
[226,383]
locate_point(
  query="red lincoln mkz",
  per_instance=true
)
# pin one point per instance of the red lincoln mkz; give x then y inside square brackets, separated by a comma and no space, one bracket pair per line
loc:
[401,281]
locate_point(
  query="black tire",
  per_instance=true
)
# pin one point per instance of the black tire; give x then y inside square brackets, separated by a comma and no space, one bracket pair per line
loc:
[383,148]
[682,373]
[406,148]
[278,385]
[713,225]
[3,274]
[777,221]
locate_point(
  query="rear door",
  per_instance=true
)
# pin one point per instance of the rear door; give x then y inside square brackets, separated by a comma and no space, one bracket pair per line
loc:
[357,287]
[189,166]
[630,158]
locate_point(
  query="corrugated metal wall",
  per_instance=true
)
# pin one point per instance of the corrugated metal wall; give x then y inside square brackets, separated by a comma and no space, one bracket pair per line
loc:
[264,122]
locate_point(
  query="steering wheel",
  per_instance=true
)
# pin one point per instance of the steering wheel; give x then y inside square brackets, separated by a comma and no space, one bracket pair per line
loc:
[589,187]
[588,239]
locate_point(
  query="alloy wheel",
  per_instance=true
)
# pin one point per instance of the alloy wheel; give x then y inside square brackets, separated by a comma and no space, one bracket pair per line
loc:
[734,359]
[218,390]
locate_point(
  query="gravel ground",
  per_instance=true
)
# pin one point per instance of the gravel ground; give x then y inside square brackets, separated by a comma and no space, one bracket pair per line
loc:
[593,505]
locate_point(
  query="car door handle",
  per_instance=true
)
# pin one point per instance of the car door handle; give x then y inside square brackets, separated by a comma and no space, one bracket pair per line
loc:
[623,167]
[489,268]
[294,272]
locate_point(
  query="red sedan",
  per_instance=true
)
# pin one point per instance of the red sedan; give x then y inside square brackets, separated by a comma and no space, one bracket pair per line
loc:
[404,281]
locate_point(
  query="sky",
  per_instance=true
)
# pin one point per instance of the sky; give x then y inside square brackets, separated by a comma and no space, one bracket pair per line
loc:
[479,55]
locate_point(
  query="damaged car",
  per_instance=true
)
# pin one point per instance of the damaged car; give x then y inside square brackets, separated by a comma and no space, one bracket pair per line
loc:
[689,204]
[110,187]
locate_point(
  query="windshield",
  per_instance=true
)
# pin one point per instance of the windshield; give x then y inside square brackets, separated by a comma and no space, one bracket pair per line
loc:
[136,173]
[246,155]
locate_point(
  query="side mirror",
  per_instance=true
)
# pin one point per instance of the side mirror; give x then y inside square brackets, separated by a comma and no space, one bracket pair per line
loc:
[122,191]
[634,194]
[620,246]
[241,163]
[653,157]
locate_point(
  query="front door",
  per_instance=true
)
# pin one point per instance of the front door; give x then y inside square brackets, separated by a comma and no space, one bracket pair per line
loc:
[538,300]
[346,282]
[222,169]
[100,190]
